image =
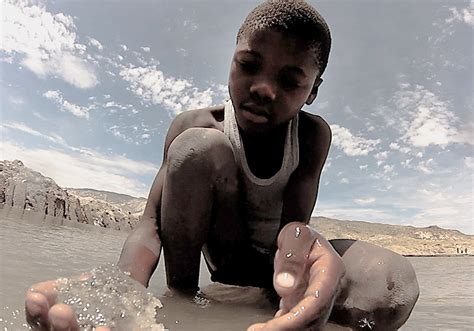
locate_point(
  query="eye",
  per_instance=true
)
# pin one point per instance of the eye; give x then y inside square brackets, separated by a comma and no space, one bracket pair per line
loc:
[248,66]
[288,83]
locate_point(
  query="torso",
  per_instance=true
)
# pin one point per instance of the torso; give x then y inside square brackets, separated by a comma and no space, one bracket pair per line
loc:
[264,159]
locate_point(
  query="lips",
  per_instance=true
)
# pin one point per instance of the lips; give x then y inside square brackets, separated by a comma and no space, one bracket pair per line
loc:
[255,114]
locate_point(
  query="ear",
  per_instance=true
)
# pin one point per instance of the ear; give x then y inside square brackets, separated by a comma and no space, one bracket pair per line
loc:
[314,92]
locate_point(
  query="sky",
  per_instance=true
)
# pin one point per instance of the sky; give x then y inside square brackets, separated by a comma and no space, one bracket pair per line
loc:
[89,89]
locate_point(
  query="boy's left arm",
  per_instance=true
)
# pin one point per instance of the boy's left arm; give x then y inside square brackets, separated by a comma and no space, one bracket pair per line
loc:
[307,269]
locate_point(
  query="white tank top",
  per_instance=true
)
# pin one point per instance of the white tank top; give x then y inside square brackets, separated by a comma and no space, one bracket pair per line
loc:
[263,197]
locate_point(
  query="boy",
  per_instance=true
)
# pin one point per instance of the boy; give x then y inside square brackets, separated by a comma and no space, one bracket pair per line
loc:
[235,177]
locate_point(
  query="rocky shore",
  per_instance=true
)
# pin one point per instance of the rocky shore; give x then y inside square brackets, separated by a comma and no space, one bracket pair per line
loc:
[26,194]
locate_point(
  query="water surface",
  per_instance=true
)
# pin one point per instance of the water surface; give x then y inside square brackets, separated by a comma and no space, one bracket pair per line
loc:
[31,253]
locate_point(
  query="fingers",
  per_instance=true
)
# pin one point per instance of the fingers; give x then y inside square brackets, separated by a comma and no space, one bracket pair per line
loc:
[300,317]
[307,276]
[294,245]
[256,327]
[39,298]
[62,318]
[36,310]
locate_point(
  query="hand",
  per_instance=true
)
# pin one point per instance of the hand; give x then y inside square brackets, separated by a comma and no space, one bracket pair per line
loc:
[308,273]
[44,313]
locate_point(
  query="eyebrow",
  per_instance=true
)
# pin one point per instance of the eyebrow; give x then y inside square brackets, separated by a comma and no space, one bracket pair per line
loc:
[295,69]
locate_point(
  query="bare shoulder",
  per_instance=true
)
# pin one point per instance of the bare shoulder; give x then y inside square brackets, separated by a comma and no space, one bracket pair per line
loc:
[210,117]
[314,134]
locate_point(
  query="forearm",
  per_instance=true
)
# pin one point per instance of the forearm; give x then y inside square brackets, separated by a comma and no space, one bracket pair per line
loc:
[141,251]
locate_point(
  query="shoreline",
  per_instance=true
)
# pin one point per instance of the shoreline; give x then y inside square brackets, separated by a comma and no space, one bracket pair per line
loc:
[32,217]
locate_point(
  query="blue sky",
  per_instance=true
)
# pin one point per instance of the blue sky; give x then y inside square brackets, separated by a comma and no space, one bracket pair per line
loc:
[89,88]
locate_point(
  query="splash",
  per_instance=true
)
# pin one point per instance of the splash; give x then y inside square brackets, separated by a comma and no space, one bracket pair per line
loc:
[109,297]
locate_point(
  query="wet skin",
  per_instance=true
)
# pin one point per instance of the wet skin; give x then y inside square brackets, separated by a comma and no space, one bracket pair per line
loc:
[271,78]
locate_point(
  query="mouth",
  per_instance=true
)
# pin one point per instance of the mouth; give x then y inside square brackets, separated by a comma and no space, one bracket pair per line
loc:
[255,114]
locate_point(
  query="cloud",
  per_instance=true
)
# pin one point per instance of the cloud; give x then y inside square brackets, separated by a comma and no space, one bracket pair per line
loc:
[46,42]
[16,101]
[464,15]
[426,120]
[350,144]
[95,43]
[145,49]
[66,106]
[425,166]
[469,162]
[354,213]
[175,94]
[364,201]
[91,169]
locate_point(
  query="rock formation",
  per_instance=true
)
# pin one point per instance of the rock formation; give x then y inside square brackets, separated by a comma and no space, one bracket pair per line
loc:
[26,194]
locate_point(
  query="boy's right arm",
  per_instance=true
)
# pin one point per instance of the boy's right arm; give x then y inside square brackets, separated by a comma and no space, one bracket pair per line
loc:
[141,251]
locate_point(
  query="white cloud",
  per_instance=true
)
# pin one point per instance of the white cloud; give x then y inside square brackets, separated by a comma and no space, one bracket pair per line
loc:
[26,129]
[65,105]
[397,147]
[344,180]
[350,144]
[381,155]
[353,213]
[16,101]
[123,47]
[425,166]
[146,49]
[364,201]
[464,15]
[91,169]
[426,120]
[388,168]
[95,43]
[175,94]
[469,162]
[46,42]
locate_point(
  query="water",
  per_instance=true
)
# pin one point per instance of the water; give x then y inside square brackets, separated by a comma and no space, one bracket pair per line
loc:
[33,253]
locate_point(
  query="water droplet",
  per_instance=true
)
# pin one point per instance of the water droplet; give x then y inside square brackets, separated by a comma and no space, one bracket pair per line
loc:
[316,294]
[298,232]
[289,254]
[296,313]
[289,317]
[318,243]
[323,270]
[302,307]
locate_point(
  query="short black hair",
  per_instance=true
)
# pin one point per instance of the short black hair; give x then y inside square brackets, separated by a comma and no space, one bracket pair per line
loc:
[295,17]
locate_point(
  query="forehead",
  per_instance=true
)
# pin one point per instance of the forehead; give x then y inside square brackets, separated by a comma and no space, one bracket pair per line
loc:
[278,47]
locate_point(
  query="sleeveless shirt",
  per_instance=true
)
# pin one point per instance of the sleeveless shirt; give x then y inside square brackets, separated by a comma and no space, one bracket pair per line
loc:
[263,197]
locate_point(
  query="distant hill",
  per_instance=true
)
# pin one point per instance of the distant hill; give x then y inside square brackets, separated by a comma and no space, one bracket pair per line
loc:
[125,202]
[25,193]
[406,240]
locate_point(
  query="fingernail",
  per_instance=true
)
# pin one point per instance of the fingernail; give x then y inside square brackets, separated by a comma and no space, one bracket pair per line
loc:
[285,279]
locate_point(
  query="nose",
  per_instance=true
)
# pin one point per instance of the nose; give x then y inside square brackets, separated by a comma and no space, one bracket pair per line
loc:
[263,91]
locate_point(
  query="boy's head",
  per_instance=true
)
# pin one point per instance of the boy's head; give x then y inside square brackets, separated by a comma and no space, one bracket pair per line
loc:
[295,18]
[282,50]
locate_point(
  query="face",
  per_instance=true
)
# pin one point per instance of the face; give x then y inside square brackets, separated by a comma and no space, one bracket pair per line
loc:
[272,76]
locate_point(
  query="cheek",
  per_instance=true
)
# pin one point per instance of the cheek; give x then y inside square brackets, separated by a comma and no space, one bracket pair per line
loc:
[237,83]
